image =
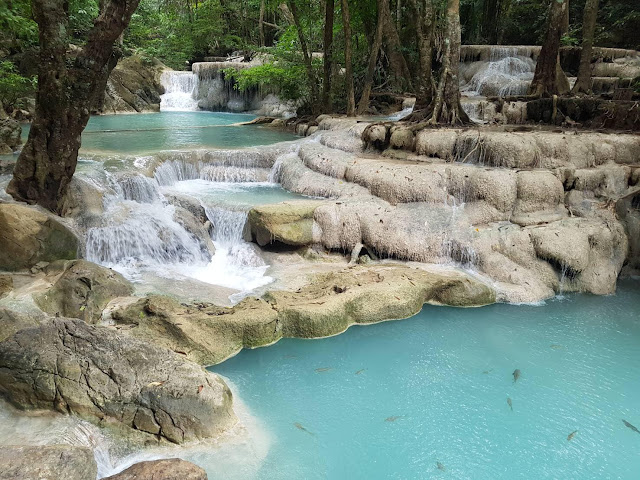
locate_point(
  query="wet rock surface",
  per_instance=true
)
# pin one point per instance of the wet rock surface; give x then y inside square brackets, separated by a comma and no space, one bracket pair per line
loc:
[113,380]
[10,131]
[326,305]
[170,469]
[47,462]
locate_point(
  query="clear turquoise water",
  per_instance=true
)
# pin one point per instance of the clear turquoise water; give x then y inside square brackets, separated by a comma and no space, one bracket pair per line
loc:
[434,388]
[150,132]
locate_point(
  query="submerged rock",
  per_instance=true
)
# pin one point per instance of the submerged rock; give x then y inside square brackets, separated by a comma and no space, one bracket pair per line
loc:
[113,380]
[170,469]
[81,290]
[45,462]
[327,305]
[29,235]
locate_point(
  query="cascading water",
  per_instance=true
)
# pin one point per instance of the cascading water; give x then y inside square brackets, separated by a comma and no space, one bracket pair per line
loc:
[506,72]
[180,91]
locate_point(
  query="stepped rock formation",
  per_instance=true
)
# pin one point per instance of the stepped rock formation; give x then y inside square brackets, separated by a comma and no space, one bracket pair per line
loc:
[47,462]
[170,469]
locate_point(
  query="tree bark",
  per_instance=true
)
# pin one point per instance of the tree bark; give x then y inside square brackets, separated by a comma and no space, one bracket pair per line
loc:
[425,25]
[261,23]
[329,6]
[307,56]
[545,79]
[583,83]
[445,107]
[373,60]
[68,86]
[400,70]
[490,21]
[346,20]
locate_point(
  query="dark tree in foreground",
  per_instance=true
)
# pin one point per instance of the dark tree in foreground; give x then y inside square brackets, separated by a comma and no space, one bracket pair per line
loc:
[373,60]
[327,46]
[545,80]
[69,82]
[583,83]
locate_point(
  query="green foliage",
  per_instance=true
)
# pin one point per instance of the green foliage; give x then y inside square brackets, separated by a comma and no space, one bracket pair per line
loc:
[289,81]
[13,85]
[81,16]
[17,29]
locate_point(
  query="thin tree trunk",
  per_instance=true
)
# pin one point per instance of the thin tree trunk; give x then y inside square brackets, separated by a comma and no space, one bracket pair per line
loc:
[399,67]
[261,24]
[446,107]
[545,79]
[68,86]
[373,60]
[307,56]
[583,83]
[490,21]
[329,6]
[346,20]
[425,25]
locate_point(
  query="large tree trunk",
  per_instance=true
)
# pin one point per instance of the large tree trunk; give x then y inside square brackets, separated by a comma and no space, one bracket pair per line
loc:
[446,107]
[401,75]
[545,79]
[373,60]
[490,21]
[329,6]
[583,83]
[346,20]
[425,25]
[68,86]
[307,56]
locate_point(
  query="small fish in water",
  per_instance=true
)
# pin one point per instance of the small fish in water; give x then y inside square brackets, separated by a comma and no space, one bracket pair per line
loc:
[391,419]
[510,403]
[556,347]
[323,369]
[440,466]
[487,372]
[360,371]
[300,427]
[290,356]
[516,375]
[571,435]
[627,424]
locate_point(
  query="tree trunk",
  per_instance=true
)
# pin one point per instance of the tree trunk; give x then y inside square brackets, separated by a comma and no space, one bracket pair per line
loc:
[545,79]
[373,60]
[490,21]
[445,107]
[425,25]
[261,24]
[346,20]
[68,86]
[583,83]
[329,6]
[307,56]
[400,70]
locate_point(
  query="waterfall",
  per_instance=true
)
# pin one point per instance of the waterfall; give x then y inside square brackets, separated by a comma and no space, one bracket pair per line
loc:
[174,171]
[147,235]
[137,188]
[180,91]
[507,71]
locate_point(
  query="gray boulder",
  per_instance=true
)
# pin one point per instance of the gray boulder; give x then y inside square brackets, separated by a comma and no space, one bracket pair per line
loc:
[47,463]
[29,235]
[10,131]
[82,290]
[170,469]
[112,380]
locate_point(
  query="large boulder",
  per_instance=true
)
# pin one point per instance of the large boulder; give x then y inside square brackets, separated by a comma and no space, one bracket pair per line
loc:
[290,223]
[10,132]
[47,463]
[82,289]
[113,380]
[170,469]
[29,235]
[12,321]
[133,86]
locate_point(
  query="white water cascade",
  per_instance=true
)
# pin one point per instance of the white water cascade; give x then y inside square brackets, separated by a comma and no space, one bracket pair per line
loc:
[180,91]
[505,72]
